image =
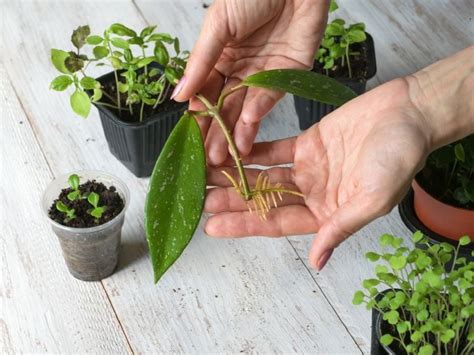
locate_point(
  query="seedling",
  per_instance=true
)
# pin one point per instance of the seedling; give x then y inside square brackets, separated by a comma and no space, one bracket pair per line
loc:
[130,55]
[69,212]
[429,310]
[449,172]
[97,211]
[177,186]
[336,44]
[74,183]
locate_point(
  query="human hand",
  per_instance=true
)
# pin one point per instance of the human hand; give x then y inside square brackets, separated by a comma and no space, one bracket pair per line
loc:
[240,38]
[352,167]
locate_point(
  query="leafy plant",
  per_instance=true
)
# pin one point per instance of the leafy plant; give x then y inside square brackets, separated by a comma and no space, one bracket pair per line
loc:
[336,44]
[428,310]
[177,186]
[97,211]
[133,56]
[69,212]
[449,173]
[74,182]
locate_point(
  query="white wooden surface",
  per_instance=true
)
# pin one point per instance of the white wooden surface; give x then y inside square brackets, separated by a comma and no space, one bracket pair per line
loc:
[222,295]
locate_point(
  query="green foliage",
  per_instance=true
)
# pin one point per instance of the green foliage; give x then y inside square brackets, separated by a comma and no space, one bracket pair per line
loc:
[74,182]
[429,310]
[302,83]
[69,212]
[176,195]
[449,173]
[97,212]
[131,56]
[336,44]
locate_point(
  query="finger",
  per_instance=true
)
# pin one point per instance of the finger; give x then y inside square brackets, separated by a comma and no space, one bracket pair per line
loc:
[207,50]
[226,199]
[211,90]
[215,177]
[216,144]
[346,220]
[258,102]
[270,153]
[282,221]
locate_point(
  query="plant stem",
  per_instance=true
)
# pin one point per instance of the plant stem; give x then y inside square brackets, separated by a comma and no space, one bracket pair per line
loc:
[109,105]
[233,148]
[141,111]
[109,96]
[348,62]
[220,102]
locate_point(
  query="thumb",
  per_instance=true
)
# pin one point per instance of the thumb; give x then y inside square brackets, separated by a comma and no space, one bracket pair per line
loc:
[346,220]
[205,54]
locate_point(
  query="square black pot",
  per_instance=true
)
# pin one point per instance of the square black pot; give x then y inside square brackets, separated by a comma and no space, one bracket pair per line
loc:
[137,145]
[310,112]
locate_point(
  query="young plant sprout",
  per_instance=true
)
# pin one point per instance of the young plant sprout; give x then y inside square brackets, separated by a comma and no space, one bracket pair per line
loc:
[428,306]
[336,44]
[137,84]
[74,183]
[69,212]
[97,211]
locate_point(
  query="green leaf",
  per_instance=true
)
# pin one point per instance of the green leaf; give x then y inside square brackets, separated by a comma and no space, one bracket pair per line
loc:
[80,103]
[356,36]
[171,75]
[57,58]
[165,37]
[447,335]
[307,84]
[464,240]
[416,336]
[136,40]
[60,206]
[386,240]
[334,29]
[97,95]
[93,199]
[371,256]
[116,62]
[74,181]
[89,83]
[386,339]
[147,31]
[121,30]
[176,46]
[418,236]
[145,61]
[120,43]
[100,52]
[94,40]
[397,262]
[61,82]
[79,36]
[73,195]
[459,152]
[161,53]
[427,349]
[176,193]
[358,298]
[333,6]
[74,62]
[97,212]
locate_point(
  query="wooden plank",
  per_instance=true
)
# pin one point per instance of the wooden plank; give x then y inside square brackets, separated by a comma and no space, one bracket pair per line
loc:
[222,295]
[42,307]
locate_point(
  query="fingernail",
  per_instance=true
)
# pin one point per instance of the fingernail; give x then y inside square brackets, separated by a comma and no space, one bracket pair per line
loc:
[324,259]
[178,87]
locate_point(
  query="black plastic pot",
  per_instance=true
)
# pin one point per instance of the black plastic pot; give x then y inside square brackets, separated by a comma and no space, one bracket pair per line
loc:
[310,112]
[408,216]
[138,144]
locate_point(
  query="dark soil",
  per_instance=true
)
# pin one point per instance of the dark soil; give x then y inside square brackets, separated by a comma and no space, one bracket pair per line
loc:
[108,197]
[359,65]
[111,89]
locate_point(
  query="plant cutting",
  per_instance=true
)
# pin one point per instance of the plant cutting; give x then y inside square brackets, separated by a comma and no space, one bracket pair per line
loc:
[442,201]
[87,219]
[177,187]
[347,54]
[133,99]
[425,309]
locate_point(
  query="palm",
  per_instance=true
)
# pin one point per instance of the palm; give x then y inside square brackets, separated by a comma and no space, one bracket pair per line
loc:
[349,167]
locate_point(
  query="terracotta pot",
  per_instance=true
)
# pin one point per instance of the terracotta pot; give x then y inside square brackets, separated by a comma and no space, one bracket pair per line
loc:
[446,220]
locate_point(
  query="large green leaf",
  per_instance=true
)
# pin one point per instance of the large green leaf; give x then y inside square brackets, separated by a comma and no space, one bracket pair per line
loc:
[176,195]
[307,84]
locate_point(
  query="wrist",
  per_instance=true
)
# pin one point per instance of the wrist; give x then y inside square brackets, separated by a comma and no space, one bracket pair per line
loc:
[442,94]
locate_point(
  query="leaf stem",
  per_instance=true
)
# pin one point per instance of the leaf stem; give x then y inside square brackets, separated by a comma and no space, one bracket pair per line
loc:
[213,110]
[109,105]
[141,111]
[220,102]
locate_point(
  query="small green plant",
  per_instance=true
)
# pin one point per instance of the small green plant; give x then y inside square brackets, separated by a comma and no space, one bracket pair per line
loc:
[449,172]
[138,83]
[97,211]
[69,212]
[429,309]
[74,182]
[336,44]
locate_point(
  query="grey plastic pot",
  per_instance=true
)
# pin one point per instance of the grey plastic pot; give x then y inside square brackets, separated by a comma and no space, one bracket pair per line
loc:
[91,254]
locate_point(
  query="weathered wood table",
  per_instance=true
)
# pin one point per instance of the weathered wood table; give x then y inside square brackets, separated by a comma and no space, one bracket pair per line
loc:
[243,295]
